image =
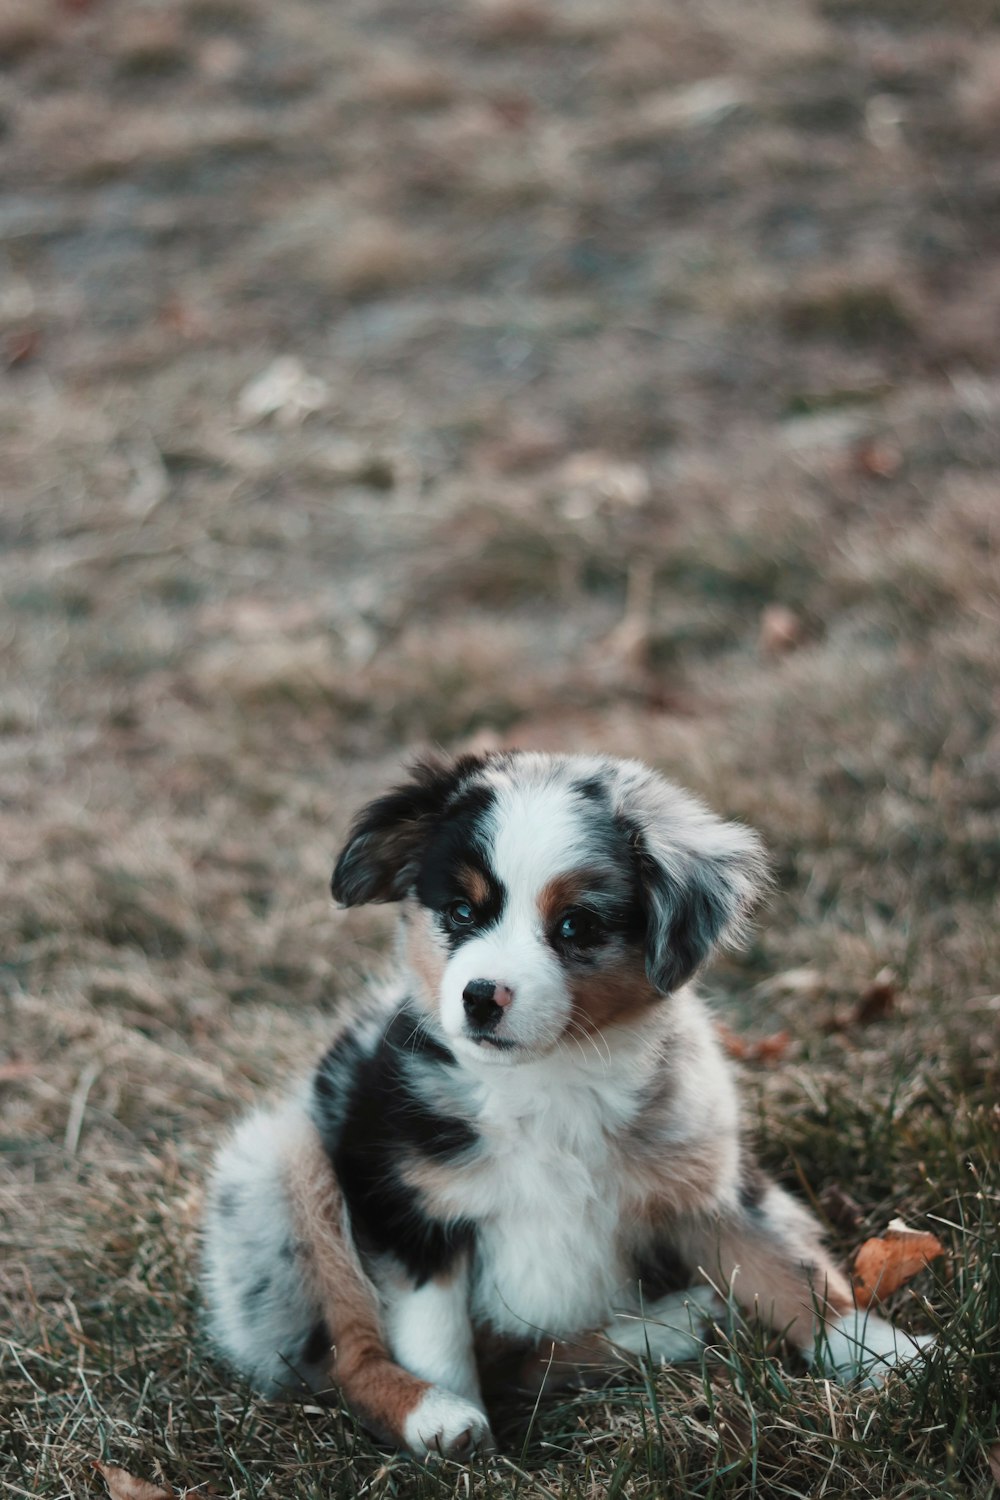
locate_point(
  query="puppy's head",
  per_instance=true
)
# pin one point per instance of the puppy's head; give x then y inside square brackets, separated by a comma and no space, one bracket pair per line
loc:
[548,896]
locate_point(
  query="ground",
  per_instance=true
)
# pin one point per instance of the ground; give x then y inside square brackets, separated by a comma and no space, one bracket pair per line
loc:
[569,373]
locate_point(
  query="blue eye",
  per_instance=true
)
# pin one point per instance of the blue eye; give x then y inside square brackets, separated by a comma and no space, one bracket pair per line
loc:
[460,913]
[578,927]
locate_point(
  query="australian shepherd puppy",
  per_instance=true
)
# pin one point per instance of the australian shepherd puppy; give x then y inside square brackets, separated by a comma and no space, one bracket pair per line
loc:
[533,1130]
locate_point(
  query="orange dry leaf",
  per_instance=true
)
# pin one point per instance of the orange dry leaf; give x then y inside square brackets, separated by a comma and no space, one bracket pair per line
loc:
[768,1049]
[885,1263]
[125,1486]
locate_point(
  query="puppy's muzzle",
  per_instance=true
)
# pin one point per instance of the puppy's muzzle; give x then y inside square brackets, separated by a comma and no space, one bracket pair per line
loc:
[485,1003]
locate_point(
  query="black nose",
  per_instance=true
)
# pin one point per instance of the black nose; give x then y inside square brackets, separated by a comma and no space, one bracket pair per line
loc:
[481,1008]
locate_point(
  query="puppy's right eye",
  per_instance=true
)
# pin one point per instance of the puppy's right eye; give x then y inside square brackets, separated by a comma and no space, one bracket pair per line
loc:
[460,914]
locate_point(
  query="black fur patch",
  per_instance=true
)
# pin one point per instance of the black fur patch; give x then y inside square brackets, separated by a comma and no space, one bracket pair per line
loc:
[457,841]
[383,1120]
[227,1203]
[660,1271]
[684,916]
[317,1346]
[332,1083]
[592,788]
[379,862]
[253,1293]
[754,1183]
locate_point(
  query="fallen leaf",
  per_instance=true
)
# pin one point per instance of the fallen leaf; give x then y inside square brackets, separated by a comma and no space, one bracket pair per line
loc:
[840,1208]
[881,458]
[766,1049]
[284,390]
[125,1486]
[771,1048]
[888,1261]
[780,630]
[877,999]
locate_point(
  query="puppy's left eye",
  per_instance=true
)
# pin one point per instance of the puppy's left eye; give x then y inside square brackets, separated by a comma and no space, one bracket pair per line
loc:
[578,928]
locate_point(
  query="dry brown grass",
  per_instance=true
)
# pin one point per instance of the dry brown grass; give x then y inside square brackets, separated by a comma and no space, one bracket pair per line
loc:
[618,329]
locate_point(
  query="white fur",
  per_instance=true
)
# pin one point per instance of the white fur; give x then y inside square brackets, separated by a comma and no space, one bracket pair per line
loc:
[862,1346]
[550,1250]
[247,1238]
[430,1334]
[447,1426]
[534,834]
[553,1236]
[513,954]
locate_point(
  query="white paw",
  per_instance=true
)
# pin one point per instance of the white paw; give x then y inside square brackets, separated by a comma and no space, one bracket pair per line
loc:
[447,1426]
[862,1346]
[670,1330]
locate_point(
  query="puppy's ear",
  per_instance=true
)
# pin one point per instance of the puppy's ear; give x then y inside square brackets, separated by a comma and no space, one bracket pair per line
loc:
[380,860]
[700,877]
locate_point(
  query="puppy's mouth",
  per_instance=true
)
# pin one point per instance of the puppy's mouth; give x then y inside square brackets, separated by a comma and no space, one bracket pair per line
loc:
[490,1047]
[498,1043]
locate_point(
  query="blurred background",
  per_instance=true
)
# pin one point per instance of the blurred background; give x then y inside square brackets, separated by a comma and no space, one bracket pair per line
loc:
[577,374]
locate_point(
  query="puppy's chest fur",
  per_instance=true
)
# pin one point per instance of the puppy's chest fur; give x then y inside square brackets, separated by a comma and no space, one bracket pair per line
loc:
[546,1188]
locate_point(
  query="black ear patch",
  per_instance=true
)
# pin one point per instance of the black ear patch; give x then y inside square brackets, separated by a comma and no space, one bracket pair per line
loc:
[381,858]
[699,877]
[689,911]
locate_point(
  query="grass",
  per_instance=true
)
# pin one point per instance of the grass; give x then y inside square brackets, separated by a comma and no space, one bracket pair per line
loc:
[599,377]
[114,1369]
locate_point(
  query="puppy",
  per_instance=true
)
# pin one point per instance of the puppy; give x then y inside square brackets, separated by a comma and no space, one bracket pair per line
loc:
[533,1130]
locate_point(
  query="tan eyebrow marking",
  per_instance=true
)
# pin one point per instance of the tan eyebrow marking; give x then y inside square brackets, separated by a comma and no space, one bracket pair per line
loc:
[474,884]
[565,891]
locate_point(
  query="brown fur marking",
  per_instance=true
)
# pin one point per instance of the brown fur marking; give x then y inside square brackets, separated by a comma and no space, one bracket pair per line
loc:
[781,1273]
[425,955]
[560,1363]
[380,1391]
[669,1181]
[565,891]
[616,992]
[474,884]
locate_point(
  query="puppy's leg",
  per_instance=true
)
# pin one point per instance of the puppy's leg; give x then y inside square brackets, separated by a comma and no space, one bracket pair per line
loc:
[860,1345]
[768,1253]
[429,1331]
[397,1404]
[669,1331]
[260,1309]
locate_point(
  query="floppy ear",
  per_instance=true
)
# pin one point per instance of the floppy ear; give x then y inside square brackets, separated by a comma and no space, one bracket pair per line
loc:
[380,860]
[700,876]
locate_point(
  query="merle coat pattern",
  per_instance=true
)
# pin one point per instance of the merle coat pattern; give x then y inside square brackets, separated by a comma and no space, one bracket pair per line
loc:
[533,1130]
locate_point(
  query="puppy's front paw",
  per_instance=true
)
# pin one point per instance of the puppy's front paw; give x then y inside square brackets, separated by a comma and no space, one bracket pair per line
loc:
[862,1346]
[447,1426]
